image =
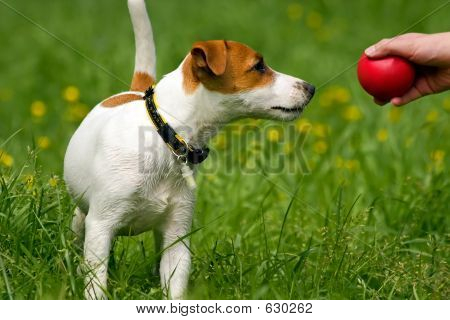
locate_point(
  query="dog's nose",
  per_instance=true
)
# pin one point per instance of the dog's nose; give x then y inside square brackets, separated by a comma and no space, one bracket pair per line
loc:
[311,89]
[306,86]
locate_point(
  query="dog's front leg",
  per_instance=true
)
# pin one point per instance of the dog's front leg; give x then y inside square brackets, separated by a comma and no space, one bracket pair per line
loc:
[97,246]
[176,259]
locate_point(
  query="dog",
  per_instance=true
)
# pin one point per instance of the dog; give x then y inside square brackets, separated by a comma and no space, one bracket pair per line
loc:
[121,190]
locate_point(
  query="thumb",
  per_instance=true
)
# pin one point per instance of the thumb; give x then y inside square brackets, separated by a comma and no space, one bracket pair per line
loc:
[402,46]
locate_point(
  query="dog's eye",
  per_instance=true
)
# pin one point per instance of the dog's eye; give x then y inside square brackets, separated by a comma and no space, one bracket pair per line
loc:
[260,66]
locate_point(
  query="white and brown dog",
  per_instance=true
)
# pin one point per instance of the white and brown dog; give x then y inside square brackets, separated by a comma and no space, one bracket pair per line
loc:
[119,190]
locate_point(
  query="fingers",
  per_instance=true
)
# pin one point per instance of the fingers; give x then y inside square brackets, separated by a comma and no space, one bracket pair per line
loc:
[421,88]
[404,46]
[411,95]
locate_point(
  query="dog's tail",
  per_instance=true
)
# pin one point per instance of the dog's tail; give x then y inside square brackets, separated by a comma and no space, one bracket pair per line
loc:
[145,61]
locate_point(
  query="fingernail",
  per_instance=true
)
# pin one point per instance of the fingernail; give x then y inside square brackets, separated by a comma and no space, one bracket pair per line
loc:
[397,102]
[370,50]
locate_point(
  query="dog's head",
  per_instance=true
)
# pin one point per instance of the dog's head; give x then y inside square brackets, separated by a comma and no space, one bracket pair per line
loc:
[243,82]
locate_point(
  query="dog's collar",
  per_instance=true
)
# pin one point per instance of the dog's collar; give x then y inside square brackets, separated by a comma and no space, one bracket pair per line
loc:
[181,149]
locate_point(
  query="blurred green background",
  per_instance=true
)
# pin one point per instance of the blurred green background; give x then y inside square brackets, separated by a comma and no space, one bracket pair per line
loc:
[369,219]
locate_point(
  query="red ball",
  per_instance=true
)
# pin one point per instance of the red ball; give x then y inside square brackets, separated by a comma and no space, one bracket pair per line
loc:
[385,78]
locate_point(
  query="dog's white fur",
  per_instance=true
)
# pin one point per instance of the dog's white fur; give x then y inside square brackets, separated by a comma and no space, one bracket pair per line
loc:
[126,180]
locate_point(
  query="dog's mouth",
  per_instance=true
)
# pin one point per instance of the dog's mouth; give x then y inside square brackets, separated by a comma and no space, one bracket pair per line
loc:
[294,109]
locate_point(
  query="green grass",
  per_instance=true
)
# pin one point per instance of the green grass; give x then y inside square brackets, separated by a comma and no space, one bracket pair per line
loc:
[352,203]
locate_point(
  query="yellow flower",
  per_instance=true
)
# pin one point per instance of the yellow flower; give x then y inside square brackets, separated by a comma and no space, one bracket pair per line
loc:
[314,20]
[437,155]
[6,159]
[320,147]
[43,142]
[447,103]
[294,11]
[53,181]
[341,94]
[38,109]
[238,128]
[303,125]
[220,142]
[71,94]
[352,165]
[288,148]
[395,114]
[320,130]
[77,112]
[352,113]
[432,116]
[254,122]
[273,135]
[334,94]
[382,135]
[29,181]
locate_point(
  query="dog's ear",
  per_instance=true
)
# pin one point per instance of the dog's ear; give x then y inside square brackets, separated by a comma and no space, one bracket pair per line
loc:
[211,55]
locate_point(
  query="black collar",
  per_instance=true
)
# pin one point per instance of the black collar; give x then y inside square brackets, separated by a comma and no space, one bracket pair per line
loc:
[182,150]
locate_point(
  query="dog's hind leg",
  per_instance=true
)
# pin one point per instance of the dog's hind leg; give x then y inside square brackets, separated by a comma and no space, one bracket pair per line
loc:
[97,245]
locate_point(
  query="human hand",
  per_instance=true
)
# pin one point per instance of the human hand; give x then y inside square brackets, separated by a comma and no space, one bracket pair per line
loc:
[430,53]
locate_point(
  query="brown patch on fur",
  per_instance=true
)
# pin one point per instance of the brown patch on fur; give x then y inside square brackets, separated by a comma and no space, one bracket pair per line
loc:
[141,81]
[120,99]
[238,74]
[190,82]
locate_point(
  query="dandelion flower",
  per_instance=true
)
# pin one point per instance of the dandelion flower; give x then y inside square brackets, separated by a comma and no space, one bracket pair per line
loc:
[53,181]
[38,109]
[43,142]
[334,94]
[382,135]
[29,181]
[432,116]
[437,155]
[303,125]
[288,148]
[220,142]
[320,130]
[71,94]
[273,135]
[314,20]
[352,113]
[6,159]
[320,147]
[340,94]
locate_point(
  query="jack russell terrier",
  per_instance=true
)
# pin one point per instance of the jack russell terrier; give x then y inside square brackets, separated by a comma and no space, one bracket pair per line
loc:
[121,190]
